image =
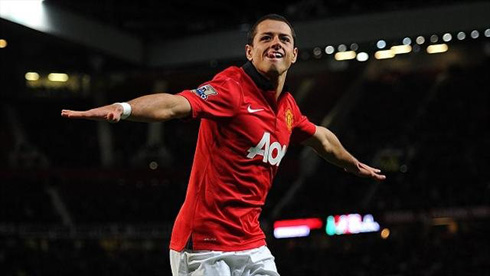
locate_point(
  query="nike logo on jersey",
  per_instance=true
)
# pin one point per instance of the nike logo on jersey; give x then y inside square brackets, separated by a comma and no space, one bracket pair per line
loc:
[271,153]
[251,110]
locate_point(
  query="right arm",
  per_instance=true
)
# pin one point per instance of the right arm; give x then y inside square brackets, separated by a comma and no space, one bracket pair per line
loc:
[150,108]
[328,146]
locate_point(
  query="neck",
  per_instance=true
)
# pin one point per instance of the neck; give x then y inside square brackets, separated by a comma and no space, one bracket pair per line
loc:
[271,81]
[278,83]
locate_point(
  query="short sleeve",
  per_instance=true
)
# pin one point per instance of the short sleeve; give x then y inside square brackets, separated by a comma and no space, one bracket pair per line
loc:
[214,99]
[302,127]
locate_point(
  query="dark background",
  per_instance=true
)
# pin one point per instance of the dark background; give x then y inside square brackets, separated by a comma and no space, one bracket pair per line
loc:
[91,198]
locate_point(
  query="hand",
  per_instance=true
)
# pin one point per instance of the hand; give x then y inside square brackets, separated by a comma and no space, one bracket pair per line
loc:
[364,170]
[111,113]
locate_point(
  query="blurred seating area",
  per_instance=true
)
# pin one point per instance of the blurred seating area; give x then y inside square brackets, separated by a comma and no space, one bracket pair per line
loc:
[426,130]
[409,250]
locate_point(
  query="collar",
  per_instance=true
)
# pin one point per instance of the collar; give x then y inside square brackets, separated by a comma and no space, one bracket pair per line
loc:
[262,82]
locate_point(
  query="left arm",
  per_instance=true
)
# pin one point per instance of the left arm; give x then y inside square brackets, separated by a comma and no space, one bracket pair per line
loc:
[328,146]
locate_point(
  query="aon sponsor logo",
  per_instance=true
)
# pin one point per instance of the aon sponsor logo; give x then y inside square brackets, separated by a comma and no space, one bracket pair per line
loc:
[271,153]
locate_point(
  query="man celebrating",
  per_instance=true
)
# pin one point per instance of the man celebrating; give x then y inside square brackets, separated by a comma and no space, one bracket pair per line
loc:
[247,122]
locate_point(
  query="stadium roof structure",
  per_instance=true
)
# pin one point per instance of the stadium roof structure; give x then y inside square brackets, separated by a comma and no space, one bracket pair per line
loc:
[162,34]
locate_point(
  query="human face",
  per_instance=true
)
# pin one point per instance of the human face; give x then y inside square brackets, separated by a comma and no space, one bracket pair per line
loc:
[273,51]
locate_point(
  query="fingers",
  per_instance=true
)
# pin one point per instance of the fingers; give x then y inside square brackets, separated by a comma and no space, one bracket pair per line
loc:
[375,174]
[106,113]
[113,117]
[379,177]
[372,172]
[72,114]
[370,168]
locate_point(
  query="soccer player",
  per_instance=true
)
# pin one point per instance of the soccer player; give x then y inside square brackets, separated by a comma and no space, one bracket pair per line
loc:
[248,119]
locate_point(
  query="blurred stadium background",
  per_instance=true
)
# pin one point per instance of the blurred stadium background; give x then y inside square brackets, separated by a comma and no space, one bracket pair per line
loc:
[404,84]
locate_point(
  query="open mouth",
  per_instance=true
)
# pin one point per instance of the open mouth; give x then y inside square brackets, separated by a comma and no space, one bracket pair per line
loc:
[275,55]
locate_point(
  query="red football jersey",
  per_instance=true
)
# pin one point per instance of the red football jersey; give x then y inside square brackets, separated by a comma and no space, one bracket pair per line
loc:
[243,136]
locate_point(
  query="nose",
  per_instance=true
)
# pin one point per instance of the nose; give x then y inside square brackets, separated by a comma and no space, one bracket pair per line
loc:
[276,42]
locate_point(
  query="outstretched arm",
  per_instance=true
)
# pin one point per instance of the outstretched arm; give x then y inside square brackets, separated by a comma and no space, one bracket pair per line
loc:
[328,146]
[149,108]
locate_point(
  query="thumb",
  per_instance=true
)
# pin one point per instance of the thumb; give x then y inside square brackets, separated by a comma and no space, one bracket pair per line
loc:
[114,117]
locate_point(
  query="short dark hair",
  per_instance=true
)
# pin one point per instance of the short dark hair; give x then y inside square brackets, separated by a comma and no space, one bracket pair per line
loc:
[253,31]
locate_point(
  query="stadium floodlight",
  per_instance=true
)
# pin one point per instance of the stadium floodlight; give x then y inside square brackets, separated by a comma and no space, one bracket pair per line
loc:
[362,56]
[348,55]
[32,76]
[447,37]
[381,44]
[437,48]
[29,13]
[474,34]
[58,77]
[329,50]
[384,54]
[401,49]
[461,35]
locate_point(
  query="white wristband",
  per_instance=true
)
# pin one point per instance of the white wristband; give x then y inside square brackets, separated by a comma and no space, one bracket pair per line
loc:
[126,110]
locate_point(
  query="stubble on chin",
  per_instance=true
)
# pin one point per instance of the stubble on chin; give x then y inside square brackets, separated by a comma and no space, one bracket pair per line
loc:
[275,70]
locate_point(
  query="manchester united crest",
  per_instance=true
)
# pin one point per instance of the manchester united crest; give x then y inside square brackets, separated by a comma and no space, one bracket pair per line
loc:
[289,118]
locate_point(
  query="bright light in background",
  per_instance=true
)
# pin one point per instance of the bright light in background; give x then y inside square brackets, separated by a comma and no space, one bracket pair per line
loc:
[335,225]
[354,47]
[420,40]
[437,48]
[461,35]
[292,232]
[153,165]
[385,233]
[384,54]
[3,43]
[350,224]
[345,55]
[342,48]
[381,44]
[401,49]
[293,228]
[59,77]
[317,52]
[30,13]
[475,34]
[487,32]
[32,76]
[407,41]
[362,56]
[329,50]
[434,38]
[447,37]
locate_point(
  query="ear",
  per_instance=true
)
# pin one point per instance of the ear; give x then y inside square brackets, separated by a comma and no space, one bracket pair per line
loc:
[295,55]
[248,52]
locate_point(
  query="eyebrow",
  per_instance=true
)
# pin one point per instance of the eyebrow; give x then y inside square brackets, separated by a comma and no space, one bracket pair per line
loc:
[280,34]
